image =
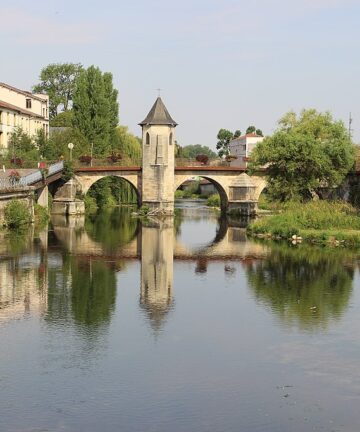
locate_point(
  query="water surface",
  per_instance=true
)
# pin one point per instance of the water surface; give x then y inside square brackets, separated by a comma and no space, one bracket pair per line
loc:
[111,324]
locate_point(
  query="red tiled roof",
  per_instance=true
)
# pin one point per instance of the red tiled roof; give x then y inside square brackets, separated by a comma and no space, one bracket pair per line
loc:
[11,107]
[250,135]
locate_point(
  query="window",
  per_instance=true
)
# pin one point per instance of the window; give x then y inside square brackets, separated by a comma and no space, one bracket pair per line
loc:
[147,140]
[171,138]
[28,103]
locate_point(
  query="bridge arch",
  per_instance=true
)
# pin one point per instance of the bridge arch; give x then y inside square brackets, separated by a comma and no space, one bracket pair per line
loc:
[86,182]
[221,189]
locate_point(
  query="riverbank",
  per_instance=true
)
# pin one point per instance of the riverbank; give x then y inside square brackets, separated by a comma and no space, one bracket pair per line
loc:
[319,222]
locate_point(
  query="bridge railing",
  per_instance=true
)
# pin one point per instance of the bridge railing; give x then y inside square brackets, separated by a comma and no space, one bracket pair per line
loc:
[29,179]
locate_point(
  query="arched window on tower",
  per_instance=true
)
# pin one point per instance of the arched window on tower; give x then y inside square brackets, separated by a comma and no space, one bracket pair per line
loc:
[147,140]
[171,138]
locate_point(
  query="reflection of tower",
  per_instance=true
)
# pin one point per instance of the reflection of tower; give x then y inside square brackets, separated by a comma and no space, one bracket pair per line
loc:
[157,251]
[158,135]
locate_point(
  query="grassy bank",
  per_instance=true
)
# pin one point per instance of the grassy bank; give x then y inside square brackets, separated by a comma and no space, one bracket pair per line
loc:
[323,222]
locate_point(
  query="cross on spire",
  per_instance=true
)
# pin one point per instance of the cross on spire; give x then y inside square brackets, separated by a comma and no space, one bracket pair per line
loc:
[159,91]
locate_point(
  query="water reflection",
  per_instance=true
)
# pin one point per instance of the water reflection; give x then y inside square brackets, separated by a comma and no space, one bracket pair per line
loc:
[157,270]
[70,275]
[306,286]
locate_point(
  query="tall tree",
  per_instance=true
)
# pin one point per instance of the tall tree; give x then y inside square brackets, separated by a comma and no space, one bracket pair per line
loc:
[95,108]
[58,82]
[306,152]
[192,150]
[253,129]
[224,136]
[237,133]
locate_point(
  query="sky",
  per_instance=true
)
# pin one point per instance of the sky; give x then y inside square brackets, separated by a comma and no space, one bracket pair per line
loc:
[220,63]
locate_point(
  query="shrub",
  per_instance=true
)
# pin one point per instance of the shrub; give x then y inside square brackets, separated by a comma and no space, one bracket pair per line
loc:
[68,171]
[179,194]
[16,214]
[90,204]
[203,158]
[213,200]
[114,157]
[85,159]
[17,161]
[41,214]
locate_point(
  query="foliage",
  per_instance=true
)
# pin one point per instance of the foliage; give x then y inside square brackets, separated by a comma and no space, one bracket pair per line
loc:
[68,171]
[58,81]
[237,133]
[253,129]
[60,139]
[63,119]
[21,146]
[203,158]
[41,215]
[224,137]
[114,157]
[316,219]
[85,159]
[179,194]
[191,151]
[17,161]
[306,285]
[213,200]
[305,153]
[16,214]
[126,145]
[111,191]
[90,204]
[96,109]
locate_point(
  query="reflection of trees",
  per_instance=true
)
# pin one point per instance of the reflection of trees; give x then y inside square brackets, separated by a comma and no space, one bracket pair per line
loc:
[305,285]
[113,228]
[86,292]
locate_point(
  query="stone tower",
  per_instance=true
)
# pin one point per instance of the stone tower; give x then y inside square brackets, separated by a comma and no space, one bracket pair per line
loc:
[158,138]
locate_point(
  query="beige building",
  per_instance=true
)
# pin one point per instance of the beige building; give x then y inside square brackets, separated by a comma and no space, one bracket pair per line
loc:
[19,108]
[242,147]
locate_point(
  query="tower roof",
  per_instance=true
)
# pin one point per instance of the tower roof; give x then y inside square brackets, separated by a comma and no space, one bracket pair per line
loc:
[158,115]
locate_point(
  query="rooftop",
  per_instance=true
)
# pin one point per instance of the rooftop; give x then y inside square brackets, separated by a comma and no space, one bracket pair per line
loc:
[19,110]
[158,115]
[23,92]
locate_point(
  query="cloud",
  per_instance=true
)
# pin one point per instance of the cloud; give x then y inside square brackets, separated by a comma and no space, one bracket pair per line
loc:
[29,29]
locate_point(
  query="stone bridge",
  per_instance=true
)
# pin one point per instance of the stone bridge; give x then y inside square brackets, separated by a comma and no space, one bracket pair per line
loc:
[157,179]
[236,188]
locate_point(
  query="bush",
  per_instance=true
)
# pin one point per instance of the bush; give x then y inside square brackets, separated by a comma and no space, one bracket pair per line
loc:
[213,200]
[16,214]
[85,159]
[41,215]
[68,171]
[114,157]
[316,218]
[203,158]
[179,194]
[90,204]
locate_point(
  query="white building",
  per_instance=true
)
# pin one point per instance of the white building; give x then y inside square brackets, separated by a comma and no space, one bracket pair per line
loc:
[242,147]
[19,108]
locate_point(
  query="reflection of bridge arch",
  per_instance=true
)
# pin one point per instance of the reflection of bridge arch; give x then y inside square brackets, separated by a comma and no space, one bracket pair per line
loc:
[221,189]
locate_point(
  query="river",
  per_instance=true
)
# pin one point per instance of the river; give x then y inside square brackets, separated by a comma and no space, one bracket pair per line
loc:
[112,324]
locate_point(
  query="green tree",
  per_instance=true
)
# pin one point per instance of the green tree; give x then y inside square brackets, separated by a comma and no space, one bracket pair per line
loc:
[307,152]
[237,133]
[191,151]
[253,129]
[224,136]
[95,108]
[58,81]
[127,145]
[22,146]
[63,119]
